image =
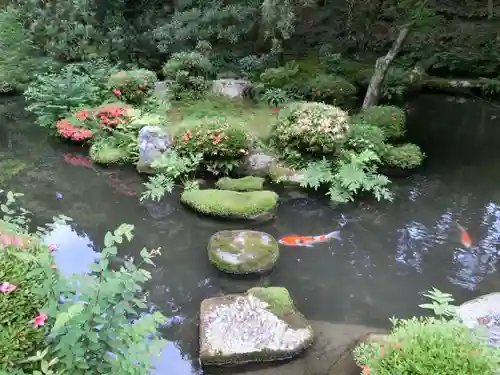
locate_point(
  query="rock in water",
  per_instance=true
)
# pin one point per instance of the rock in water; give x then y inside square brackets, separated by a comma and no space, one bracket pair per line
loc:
[249,183]
[483,311]
[153,141]
[255,205]
[260,326]
[243,252]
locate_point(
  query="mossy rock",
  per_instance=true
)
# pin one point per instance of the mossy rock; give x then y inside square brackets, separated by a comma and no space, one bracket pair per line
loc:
[103,153]
[389,118]
[243,252]
[249,183]
[248,322]
[231,204]
[285,175]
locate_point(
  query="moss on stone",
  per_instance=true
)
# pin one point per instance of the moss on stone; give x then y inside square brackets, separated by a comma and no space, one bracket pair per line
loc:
[103,153]
[230,204]
[249,183]
[243,251]
[278,298]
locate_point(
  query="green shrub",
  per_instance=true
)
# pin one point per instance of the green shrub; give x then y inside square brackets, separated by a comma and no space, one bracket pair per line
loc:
[17,60]
[362,136]
[189,72]
[309,128]
[329,89]
[132,86]
[406,156]
[222,144]
[389,118]
[18,337]
[51,96]
[280,77]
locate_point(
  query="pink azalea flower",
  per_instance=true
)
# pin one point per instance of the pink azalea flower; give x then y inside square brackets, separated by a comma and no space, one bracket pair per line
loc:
[7,287]
[53,266]
[40,320]
[117,92]
[52,247]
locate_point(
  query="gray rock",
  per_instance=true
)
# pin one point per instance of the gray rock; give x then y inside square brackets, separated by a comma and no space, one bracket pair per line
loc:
[153,141]
[483,312]
[262,325]
[243,252]
[256,164]
[285,175]
[232,88]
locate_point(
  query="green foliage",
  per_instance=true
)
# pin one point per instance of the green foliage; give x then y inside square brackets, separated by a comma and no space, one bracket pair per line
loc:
[390,119]
[309,128]
[362,136]
[430,345]
[406,156]
[51,96]
[189,72]
[132,86]
[330,89]
[18,62]
[353,174]
[222,144]
[280,77]
[274,97]
[170,166]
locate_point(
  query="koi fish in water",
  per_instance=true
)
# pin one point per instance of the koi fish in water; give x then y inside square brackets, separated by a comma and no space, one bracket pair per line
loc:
[465,238]
[309,241]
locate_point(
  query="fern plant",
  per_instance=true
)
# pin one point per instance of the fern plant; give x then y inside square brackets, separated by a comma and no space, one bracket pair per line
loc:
[170,166]
[353,174]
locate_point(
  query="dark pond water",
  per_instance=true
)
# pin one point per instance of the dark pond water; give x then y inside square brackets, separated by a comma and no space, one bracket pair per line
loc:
[391,253]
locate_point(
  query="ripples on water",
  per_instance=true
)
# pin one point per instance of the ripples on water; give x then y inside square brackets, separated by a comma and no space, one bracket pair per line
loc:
[390,253]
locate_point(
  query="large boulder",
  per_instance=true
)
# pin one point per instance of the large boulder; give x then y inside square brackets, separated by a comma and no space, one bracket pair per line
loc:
[153,142]
[483,312]
[243,252]
[260,326]
[249,183]
[281,174]
[232,204]
[232,88]
[256,164]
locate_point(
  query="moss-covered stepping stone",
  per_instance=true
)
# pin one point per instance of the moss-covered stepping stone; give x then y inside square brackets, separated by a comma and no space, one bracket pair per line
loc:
[248,183]
[243,252]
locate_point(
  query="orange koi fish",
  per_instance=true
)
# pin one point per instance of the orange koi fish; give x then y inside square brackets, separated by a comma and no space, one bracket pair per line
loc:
[465,238]
[309,241]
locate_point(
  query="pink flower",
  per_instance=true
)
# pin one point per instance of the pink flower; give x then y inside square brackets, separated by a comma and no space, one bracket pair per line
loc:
[7,287]
[40,320]
[117,92]
[52,247]
[53,266]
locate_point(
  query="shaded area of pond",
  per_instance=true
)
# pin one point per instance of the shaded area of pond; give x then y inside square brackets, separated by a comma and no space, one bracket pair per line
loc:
[390,253]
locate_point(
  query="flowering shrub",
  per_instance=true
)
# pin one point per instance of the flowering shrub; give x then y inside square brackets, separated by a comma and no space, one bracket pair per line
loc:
[111,115]
[132,86]
[389,118]
[73,129]
[330,89]
[221,144]
[309,128]
[19,305]
[189,72]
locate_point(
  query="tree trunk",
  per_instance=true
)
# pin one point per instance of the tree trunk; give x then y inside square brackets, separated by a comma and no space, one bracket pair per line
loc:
[490,9]
[381,66]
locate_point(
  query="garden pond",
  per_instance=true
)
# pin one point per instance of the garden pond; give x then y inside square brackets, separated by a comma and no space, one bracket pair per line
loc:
[389,255]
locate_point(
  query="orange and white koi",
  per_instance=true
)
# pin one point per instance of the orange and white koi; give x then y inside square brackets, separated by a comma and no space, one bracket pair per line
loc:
[309,241]
[465,238]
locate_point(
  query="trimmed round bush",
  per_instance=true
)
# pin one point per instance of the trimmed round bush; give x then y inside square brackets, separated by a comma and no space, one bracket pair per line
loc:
[19,305]
[363,136]
[406,156]
[132,86]
[330,89]
[309,128]
[389,118]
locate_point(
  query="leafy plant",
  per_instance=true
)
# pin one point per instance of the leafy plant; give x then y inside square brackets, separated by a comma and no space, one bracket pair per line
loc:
[329,89]
[390,119]
[189,73]
[430,345]
[52,96]
[274,97]
[280,77]
[170,167]
[406,156]
[362,136]
[353,174]
[132,86]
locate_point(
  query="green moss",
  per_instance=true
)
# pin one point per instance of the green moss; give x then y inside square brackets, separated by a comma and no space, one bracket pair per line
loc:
[281,174]
[103,153]
[406,156]
[243,251]
[230,204]
[278,298]
[248,183]
[389,118]
[10,168]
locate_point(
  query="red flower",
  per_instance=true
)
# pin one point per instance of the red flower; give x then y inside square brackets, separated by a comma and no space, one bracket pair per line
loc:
[186,137]
[275,110]
[216,140]
[82,115]
[117,92]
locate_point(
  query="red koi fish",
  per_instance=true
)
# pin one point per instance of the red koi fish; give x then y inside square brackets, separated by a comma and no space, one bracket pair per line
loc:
[309,241]
[465,238]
